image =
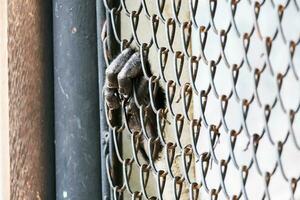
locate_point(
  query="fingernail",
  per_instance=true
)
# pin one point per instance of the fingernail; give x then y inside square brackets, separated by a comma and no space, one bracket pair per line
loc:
[121,90]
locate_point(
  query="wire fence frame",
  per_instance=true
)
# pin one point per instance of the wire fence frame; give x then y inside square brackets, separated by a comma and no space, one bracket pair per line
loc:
[186,60]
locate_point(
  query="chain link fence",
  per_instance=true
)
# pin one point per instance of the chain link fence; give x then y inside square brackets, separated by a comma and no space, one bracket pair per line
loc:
[230,126]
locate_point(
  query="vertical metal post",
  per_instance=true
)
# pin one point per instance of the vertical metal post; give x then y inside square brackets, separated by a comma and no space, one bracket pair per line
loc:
[114,49]
[107,144]
[101,16]
[76,100]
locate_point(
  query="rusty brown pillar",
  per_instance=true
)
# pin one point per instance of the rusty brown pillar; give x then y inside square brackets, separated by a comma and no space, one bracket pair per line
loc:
[30,92]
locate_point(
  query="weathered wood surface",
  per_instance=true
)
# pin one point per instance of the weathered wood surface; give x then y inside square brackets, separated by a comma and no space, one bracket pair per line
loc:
[30,75]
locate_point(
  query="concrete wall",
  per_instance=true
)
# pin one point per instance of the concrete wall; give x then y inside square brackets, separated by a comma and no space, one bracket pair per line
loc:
[4,136]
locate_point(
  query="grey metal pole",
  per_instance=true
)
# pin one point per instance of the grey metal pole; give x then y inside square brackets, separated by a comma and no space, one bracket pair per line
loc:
[76,100]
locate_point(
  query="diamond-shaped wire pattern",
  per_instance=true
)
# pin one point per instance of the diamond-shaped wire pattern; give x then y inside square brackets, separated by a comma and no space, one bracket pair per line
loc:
[231,125]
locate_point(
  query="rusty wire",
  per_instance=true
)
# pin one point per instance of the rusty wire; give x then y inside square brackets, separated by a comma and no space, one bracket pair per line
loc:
[185,60]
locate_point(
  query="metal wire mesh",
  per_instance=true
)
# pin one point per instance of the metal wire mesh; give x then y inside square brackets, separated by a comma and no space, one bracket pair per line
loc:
[230,71]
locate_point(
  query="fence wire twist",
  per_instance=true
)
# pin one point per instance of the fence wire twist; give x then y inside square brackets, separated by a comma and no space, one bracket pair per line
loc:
[218,134]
